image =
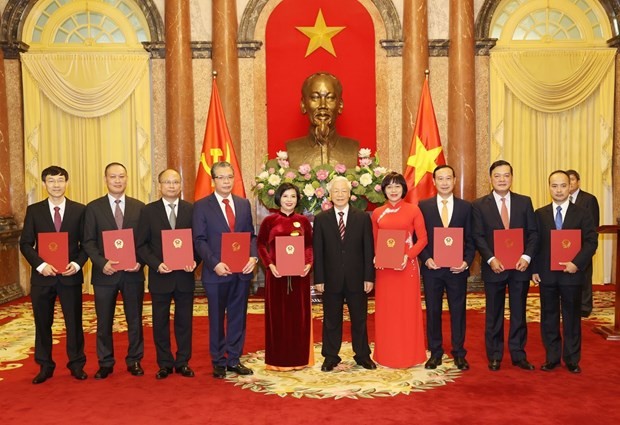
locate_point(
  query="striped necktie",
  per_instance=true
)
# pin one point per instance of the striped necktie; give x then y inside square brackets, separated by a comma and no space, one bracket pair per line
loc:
[341,224]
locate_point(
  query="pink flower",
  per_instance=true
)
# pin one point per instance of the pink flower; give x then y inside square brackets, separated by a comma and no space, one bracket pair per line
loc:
[355,183]
[365,162]
[377,188]
[321,175]
[326,205]
[340,168]
[319,192]
[270,192]
[271,170]
[304,168]
[307,176]
[290,175]
[260,185]
[283,163]
[353,198]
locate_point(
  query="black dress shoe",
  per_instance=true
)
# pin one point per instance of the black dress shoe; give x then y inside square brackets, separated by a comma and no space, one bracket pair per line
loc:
[494,365]
[523,364]
[549,366]
[79,374]
[367,364]
[432,363]
[185,371]
[163,373]
[461,363]
[585,314]
[103,372]
[135,369]
[328,365]
[573,368]
[219,372]
[240,369]
[43,376]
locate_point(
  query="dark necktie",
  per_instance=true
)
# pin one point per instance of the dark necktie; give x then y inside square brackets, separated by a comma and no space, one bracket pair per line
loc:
[341,224]
[172,217]
[558,218]
[230,215]
[57,219]
[118,214]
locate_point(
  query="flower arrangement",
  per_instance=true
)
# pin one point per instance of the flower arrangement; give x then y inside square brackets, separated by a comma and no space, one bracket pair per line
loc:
[312,182]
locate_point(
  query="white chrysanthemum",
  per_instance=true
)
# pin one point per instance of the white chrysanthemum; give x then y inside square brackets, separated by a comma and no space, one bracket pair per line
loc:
[365,179]
[274,180]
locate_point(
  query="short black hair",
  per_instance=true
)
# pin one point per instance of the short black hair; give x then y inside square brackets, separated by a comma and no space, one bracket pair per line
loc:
[220,164]
[394,178]
[283,188]
[499,163]
[440,167]
[558,172]
[54,170]
[573,173]
[112,164]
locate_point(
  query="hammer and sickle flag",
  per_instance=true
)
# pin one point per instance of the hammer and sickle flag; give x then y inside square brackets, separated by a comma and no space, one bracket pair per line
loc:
[217,146]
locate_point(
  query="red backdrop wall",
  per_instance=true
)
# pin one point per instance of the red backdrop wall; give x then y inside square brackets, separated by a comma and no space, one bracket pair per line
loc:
[287,68]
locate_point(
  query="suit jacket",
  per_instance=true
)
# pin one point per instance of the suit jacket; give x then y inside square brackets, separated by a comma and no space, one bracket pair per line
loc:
[576,218]
[486,219]
[588,202]
[461,217]
[208,225]
[39,220]
[154,219]
[343,263]
[98,218]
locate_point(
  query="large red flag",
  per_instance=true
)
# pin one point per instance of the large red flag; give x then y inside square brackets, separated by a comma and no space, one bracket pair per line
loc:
[217,146]
[425,153]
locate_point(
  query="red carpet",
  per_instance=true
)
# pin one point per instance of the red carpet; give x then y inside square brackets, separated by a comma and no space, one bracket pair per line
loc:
[477,397]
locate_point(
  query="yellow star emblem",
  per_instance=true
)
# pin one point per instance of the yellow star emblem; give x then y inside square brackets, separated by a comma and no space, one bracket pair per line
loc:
[423,160]
[320,35]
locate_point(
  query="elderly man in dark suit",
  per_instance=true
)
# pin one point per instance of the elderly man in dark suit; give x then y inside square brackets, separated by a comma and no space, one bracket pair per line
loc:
[446,210]
[560,291]
[344,271]
[165,285]
[227,292]
[115,211]
[588,202]
[503,209]
[56,214]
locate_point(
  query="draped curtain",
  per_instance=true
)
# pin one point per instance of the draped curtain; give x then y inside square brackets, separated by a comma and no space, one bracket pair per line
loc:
[554,110]
[83,111]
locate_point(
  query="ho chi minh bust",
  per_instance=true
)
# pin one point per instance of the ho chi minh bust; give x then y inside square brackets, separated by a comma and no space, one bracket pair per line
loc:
[321,99]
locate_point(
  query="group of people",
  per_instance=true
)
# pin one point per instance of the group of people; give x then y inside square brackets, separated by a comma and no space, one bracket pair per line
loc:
[339,249]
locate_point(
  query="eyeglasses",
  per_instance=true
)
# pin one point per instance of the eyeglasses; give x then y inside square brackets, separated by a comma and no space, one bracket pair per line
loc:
[172,182]
[222,178]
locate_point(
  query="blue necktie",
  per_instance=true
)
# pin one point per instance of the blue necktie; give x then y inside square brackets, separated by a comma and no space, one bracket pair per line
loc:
[558,218]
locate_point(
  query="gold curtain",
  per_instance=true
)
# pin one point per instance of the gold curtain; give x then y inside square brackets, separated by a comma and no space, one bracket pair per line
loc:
[554,110]
[83,111]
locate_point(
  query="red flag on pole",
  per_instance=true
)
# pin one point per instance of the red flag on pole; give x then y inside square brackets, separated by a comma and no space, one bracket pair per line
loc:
[217,146]
[425,153]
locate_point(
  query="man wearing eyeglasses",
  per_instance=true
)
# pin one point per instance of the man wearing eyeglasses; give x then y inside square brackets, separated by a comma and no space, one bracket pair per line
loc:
[165,284]
[227,292]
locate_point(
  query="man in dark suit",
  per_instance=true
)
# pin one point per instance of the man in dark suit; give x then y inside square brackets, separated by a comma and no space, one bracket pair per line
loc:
[115,211]
[343,271]
[456,213]
[56,214]
[503,209]
[561,290]
[588,202]
[165,284]
[227,292]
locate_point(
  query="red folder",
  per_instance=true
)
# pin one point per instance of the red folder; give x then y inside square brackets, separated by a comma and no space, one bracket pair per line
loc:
[508,244]
[390,248]
[236,250]
[119,245]
[290,255]
[448,246]
[565,245]
[53,247]
[178,248]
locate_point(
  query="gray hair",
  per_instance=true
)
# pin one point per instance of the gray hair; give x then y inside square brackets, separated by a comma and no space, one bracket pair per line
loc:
[338,179]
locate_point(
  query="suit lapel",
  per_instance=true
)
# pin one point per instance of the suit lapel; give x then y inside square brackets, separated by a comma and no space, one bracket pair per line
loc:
[217,211]
[161,212]
[492,207]
[45,212]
